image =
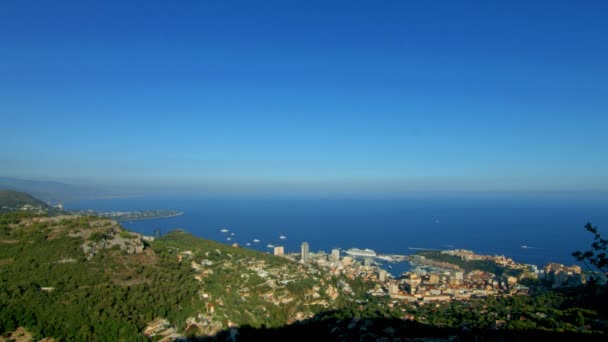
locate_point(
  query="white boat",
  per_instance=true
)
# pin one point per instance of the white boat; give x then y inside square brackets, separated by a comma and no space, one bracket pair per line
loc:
[232,234]
[256,240]
[228,239]
[282,237]
[361,252]
[224,230]
[248,244]
[270,246]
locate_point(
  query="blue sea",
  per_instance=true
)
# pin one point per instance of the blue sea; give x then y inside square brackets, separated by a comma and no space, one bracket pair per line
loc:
[551,228]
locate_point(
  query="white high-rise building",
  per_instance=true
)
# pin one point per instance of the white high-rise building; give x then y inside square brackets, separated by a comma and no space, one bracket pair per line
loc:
[335,254]
[305,252]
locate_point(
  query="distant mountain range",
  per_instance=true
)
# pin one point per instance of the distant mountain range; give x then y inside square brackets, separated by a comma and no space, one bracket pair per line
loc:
[53,192]
[10,198]
[14,201]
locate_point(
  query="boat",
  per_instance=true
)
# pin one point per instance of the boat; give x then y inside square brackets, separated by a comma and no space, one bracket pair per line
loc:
[361,252]
[224,230]
[282,237]
[270,246]
[232,234]
[228,239]
[256,240]
[524,247]
[248,244]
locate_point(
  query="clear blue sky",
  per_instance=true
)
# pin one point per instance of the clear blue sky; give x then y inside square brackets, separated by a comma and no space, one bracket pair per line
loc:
[343,96]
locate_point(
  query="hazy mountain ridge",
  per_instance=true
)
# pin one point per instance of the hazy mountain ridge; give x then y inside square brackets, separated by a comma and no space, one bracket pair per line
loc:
[54,192]
[10,198]
[14,201]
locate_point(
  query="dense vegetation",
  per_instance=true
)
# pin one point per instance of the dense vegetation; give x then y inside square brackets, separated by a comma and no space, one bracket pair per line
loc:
[547,315]
[108,296]
[244,292]
[48,285]
[595,258]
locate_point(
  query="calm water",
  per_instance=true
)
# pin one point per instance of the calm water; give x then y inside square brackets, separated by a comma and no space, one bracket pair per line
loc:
[551,228]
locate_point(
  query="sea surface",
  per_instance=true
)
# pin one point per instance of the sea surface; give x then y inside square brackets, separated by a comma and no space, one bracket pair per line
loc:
[549,228]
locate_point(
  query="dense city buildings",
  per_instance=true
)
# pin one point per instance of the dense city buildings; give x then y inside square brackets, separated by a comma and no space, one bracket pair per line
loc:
[435,280]
[561,276]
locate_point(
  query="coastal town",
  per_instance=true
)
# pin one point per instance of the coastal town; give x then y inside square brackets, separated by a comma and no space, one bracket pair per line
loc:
[337,276]
[41,208]
[129,215]
[433,280]
[430,281]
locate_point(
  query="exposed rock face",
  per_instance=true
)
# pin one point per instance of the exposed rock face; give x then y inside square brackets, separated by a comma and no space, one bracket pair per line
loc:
[106,234]
[160,327]
[203,326]
[332,292]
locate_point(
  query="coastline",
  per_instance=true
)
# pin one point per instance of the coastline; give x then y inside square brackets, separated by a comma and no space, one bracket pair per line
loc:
[151,218]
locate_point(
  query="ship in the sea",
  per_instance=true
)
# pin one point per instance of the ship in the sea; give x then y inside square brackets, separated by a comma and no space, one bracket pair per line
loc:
[367,253]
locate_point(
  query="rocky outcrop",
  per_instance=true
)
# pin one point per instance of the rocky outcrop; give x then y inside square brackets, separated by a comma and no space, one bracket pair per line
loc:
[106,234]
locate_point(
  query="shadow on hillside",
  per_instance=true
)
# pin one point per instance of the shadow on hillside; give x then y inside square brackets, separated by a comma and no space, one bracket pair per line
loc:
[324,328]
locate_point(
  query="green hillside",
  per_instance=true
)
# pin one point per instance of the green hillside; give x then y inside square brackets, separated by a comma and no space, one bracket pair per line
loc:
[77,278]
[14,199]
